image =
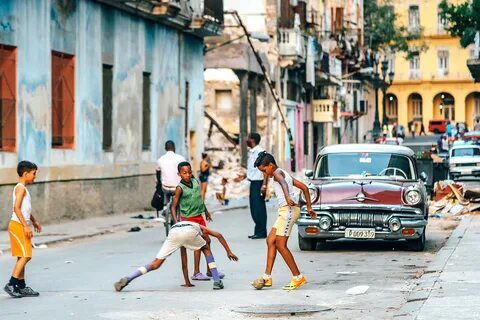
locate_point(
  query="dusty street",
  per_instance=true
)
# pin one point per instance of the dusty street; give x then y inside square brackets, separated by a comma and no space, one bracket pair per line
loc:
[76,279]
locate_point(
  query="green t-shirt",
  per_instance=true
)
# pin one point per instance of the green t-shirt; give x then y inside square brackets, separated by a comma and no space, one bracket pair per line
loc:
[191,203]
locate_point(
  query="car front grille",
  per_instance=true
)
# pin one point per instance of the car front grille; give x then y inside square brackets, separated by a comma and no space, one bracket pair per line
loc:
[465,165]
[359,218]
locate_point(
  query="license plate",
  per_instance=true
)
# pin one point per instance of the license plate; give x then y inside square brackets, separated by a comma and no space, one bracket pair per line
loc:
[360,233]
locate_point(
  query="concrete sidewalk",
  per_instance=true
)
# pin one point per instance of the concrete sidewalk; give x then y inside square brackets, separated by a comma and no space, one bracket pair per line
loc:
[450,287]
[69,231]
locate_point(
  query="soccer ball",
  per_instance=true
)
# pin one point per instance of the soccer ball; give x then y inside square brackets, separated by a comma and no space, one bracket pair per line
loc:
[258,284]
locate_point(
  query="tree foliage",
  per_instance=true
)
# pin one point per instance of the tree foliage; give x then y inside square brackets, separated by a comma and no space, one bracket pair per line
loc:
[385,33]
[463,20]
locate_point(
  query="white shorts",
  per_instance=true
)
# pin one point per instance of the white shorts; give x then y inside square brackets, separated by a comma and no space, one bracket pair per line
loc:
[184,236]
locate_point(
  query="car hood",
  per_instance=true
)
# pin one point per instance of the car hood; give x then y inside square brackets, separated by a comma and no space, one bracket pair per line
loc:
[361,192]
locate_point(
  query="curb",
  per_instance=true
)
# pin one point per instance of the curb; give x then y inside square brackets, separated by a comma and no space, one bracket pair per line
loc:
[422,291]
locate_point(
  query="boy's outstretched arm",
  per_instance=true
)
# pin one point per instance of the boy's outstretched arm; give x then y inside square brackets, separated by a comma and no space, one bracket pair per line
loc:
[302,186]
[176,198]
[222,240]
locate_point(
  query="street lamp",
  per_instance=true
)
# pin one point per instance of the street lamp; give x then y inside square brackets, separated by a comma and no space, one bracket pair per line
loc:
[381,83]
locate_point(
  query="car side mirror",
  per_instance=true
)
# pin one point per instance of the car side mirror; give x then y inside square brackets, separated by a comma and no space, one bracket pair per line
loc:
[309,173]
[423,177]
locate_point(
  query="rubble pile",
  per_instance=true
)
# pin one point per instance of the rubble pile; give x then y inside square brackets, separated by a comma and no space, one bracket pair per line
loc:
[454,198]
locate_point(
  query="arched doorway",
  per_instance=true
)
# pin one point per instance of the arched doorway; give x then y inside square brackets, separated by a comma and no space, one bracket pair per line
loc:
[444,106]
[472,108]
[415,107]
[391,108]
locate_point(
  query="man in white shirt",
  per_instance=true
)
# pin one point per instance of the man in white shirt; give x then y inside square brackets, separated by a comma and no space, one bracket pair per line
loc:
[258,188]
[167,170]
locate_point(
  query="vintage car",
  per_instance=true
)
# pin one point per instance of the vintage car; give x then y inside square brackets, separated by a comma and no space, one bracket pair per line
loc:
[464,161]
[365,191]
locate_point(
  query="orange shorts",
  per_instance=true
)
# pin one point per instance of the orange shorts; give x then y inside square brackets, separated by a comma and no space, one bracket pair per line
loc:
[21,245]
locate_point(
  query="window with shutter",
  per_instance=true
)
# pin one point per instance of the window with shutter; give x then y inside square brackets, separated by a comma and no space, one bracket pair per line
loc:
[63,100]
[7,98]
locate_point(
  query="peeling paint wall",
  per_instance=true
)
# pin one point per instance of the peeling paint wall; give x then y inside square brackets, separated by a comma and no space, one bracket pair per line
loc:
[96,35]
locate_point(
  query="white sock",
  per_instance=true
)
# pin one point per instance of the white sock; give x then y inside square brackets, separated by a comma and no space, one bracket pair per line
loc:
[298,277]
[267,276]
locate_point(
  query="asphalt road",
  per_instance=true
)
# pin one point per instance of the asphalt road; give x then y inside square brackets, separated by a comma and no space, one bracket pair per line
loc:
[76,279]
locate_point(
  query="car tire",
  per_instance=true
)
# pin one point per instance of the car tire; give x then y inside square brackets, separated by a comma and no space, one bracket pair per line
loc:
[417,244]
[306,244]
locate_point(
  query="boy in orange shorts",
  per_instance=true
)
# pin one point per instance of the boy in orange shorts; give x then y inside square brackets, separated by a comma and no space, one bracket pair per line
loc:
[20,232]
[188,198]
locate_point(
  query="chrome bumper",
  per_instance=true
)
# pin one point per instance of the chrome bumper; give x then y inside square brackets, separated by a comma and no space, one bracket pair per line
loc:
[409,218]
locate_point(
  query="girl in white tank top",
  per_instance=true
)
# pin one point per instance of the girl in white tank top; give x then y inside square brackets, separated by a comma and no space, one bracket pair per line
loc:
[281,200]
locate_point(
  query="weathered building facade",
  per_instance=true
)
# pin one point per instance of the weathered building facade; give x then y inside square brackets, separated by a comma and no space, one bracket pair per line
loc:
[91,92]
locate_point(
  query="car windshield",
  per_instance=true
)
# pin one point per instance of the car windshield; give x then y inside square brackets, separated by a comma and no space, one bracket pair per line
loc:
[357,165]
[466,152]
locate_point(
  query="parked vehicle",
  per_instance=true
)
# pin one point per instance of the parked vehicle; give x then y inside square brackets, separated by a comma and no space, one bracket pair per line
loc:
[464,161]
[472,136]
[365,191]
[438,126]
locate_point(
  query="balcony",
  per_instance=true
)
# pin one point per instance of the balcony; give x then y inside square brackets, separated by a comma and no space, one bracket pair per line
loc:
[414,74]
[200,17]
[291,44]
[209,21]
[324,110]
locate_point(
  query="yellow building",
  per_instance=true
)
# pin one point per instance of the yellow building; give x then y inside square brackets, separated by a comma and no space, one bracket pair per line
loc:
[435,84]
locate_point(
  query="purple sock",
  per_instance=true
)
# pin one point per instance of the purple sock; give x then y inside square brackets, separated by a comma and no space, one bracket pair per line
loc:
[139,272]
[213,268]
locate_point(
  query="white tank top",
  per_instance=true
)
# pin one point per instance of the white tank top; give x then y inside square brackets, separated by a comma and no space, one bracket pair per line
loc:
[279,191]
[26,207]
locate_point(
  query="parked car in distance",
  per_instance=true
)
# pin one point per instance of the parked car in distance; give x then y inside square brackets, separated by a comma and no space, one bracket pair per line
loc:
[365,191]
[472,136]
[437,126]
[464,161]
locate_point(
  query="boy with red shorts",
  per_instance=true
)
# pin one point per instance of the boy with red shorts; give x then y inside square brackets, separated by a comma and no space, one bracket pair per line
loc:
[188,198]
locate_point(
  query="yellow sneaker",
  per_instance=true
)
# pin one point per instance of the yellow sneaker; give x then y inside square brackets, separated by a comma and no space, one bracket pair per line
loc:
[294,284]
[260,283]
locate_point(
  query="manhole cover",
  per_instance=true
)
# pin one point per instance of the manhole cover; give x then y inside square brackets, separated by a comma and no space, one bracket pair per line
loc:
[281,309]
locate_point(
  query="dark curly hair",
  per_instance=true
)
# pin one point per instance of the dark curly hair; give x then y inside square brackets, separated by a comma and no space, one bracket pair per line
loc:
[264,158]
[25,166]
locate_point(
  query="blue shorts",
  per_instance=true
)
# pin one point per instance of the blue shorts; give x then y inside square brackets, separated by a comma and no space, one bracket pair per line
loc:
[203,177]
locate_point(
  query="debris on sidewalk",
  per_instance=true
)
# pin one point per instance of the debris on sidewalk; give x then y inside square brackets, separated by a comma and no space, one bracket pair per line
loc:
[357,290]
[39,246]
[135,229]
[140,216]
[68,261]
[454,199]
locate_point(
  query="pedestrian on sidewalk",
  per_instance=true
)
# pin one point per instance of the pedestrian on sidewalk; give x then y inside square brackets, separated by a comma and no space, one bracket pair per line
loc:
[223,197]
[205,166]
[476,127]
[258,188]
[166,171]
[188,199]
[184,235]
[422,129]
[20,232]
[288,214]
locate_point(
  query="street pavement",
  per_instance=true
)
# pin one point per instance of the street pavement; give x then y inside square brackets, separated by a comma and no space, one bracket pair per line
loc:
[76,277]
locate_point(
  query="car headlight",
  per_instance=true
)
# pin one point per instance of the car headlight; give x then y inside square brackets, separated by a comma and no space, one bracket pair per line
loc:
[394,224]
[313,194]
[412,196]
[325,223]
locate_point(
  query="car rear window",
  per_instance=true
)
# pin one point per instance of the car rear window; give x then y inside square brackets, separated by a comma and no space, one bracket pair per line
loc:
[435,123]
[466,152]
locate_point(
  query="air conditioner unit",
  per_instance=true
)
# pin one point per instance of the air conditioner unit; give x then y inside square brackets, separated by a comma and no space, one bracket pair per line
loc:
[167,7]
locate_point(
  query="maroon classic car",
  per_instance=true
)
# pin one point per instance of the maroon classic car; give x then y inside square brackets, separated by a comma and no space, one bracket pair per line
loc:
[365,191]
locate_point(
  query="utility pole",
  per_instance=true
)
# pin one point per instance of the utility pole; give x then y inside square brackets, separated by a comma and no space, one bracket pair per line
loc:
[275,95]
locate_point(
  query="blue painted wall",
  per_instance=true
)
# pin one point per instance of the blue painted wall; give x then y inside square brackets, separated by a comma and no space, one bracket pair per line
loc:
[98,35]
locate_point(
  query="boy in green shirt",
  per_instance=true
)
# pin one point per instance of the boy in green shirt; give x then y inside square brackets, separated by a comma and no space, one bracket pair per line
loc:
[188,198]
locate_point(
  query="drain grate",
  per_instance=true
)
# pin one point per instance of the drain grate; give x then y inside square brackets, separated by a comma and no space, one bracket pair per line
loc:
[273,309]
